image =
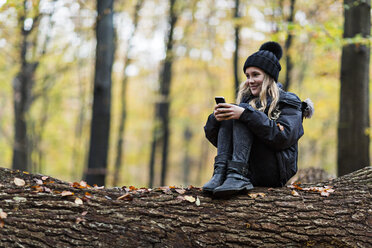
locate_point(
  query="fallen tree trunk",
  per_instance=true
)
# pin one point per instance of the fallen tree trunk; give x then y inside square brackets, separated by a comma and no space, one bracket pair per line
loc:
[42,212]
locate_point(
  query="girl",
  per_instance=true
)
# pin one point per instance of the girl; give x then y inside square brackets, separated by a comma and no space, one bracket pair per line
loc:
[256,138]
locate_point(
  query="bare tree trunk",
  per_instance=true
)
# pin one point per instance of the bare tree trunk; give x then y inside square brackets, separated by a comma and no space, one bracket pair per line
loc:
[161,123]
[123,97]
[22,92]
[100,125]
[353,126]
[287,47]
[38,215]
[187,135]
[236,51]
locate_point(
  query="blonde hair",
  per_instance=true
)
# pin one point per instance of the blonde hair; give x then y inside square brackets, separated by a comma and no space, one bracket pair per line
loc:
[268,87]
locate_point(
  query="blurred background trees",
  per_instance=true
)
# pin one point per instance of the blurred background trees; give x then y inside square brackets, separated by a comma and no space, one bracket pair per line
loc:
[169,55]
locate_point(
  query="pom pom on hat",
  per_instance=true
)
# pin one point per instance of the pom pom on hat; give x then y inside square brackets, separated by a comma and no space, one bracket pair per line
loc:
[273,47]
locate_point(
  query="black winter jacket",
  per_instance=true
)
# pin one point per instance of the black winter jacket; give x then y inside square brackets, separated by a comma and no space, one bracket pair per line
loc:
[273,157]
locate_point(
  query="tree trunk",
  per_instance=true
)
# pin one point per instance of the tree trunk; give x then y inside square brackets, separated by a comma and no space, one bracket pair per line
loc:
[353,126]
[123,98]
[22,90]
[287,46]
[100,126]
[187,136]
[161,123]
[37,215]
[236,51]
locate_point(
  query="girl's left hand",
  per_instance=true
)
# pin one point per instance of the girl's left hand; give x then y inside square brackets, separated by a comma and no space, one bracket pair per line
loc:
[227,111]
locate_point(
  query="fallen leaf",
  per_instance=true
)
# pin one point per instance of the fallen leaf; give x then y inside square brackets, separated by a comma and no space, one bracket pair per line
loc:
[295,193]
[66,193]
[189,198]
[98,187]
[83,184]
[44,178]
[1,223]
[255,195]
[78,201]
[3,215]
[172,187]
[126,197]
[38,181]
[19,181]
[197,202]
[25,172]
[324,193]
[131,188]
[78,220]
[47,190]
[181,191]
[37,188]
[88,195]
[84,213]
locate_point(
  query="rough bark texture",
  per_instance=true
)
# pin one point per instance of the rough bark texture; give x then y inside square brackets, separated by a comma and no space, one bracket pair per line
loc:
[159,218]
[353,127]
[100,125]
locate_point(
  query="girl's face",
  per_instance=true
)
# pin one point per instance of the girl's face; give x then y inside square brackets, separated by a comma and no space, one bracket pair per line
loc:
[255,77]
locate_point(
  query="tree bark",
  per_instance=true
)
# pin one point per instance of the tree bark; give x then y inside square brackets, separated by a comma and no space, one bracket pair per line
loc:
[353,126]
[38,215]
[100,126]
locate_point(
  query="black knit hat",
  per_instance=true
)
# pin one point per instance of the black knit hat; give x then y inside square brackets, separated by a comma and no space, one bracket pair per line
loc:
[267,59]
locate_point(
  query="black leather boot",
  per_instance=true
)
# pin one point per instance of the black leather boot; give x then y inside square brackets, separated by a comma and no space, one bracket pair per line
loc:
[236,180]
[219,173]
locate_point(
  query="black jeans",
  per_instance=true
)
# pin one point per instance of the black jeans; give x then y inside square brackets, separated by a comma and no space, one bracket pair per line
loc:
[234,139]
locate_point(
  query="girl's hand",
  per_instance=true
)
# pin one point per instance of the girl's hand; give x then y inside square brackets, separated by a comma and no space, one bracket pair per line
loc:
[227,111]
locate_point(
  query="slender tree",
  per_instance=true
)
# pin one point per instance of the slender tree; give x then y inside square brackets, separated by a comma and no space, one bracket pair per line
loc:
[236,51]
[353,126]
[123,97]
[100,124]
[24,96]
[161,126]
[287,46]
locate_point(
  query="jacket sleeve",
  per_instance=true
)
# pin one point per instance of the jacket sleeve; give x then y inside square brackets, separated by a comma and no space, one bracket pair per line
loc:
[278,134]
[211,129]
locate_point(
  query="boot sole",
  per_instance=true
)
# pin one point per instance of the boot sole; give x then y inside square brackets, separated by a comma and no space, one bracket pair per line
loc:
[208,191]
[230,192]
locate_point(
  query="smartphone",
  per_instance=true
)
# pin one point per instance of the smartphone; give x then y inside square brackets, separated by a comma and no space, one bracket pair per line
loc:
[219,99]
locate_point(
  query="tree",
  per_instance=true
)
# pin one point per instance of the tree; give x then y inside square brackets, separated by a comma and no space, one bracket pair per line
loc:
[123,97]
[161,123]
[287,46]
[100,125]
[31,51]
[236,51]
[40,211]
[353,126]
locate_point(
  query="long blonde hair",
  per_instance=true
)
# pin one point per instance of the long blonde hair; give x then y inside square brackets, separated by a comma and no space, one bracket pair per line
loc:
[268,86]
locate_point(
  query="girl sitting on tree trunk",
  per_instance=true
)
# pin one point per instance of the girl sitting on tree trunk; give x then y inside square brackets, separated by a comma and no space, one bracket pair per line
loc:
[256,138]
